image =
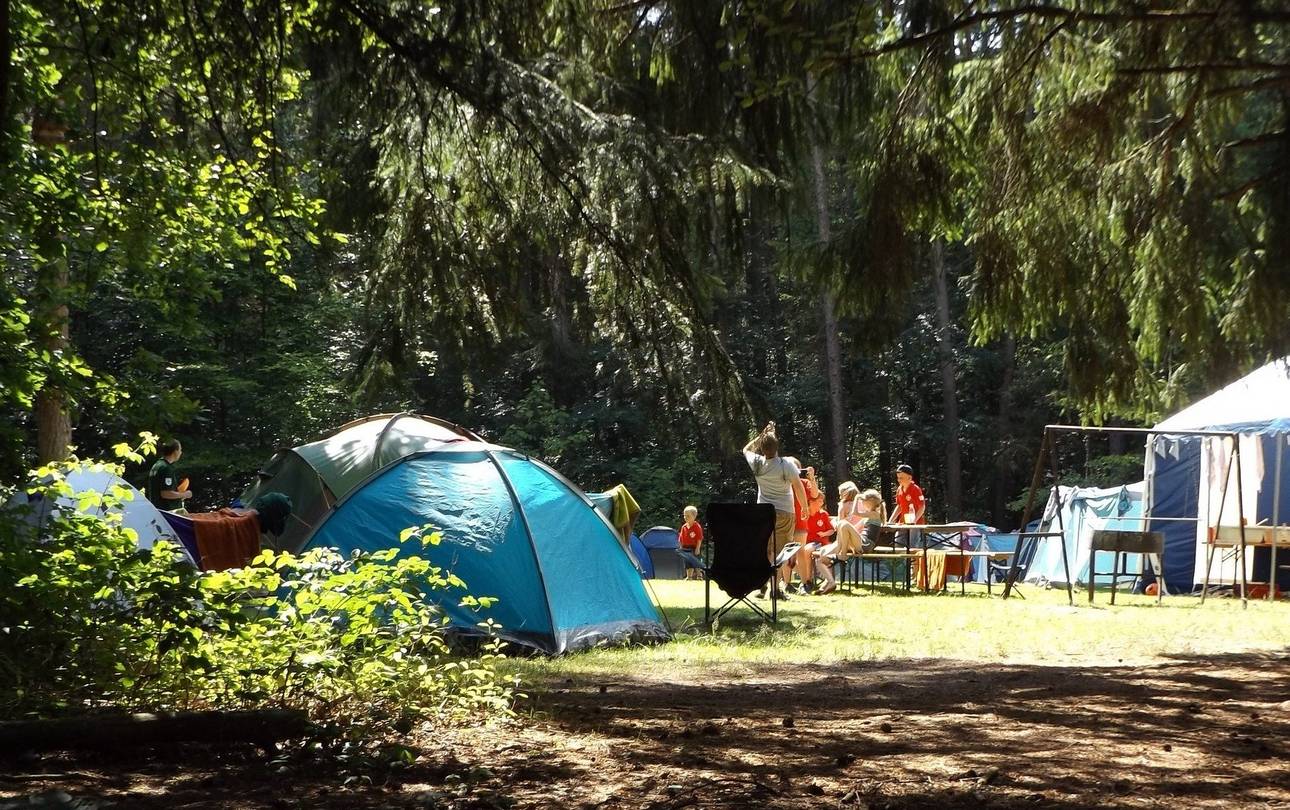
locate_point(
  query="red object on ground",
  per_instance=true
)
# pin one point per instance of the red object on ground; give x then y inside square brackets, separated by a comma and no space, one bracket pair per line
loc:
[1153,589]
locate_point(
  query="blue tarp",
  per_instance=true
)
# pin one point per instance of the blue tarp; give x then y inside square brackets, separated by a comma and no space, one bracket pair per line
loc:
[641,554]
[1175,493]
[1083,511]
[512,529]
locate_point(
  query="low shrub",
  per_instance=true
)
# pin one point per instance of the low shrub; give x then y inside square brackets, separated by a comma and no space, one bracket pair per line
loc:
[88,621]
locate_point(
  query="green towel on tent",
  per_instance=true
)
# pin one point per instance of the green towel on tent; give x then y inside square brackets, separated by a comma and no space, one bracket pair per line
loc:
[624,511]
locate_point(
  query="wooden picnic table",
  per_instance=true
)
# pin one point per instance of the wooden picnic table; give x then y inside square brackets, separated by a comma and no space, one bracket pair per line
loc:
[934,537]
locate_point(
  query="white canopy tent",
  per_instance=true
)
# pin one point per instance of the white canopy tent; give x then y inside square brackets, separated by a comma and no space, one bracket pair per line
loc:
[1195,477]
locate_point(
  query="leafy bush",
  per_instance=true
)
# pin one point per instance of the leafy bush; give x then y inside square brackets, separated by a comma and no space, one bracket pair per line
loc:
[89,621]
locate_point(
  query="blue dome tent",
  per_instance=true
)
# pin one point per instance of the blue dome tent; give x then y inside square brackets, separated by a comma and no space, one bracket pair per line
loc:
[513,529]
[662,545]
[641,554]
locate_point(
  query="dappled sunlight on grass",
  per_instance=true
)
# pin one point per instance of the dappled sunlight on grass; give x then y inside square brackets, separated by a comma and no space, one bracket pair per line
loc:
[864,626]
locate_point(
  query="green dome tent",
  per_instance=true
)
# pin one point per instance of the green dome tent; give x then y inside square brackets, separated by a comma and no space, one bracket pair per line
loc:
[319,474]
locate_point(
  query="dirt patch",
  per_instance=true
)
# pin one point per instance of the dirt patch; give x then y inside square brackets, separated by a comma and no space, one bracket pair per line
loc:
[1212,732]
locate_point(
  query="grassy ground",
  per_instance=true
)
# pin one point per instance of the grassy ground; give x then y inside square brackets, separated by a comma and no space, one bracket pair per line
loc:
[862,626]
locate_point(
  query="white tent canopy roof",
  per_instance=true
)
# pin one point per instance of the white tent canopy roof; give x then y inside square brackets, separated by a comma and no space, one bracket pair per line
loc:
[1259,398]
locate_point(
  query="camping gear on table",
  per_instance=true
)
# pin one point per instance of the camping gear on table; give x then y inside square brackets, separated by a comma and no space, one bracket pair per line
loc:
[225,539]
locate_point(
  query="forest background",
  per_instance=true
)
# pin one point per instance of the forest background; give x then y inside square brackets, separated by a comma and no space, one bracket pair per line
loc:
[622,235]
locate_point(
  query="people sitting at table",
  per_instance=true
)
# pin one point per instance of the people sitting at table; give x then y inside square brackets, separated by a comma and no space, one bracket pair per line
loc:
[870,516]
[819,527]
[809,489]
[860,517]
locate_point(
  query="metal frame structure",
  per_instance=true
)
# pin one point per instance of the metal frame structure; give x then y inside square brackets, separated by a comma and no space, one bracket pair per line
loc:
[1047,449]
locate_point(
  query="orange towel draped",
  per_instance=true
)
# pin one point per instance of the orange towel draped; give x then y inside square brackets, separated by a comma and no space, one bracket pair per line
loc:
[931,573]
[226,539]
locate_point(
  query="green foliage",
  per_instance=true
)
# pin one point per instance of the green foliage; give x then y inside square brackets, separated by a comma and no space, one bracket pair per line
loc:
[87,621]
[143,155]
[1100,471]
[547,431]
[663,472]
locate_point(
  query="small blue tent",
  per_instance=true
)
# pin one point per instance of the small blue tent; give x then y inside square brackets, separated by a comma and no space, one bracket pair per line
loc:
[662,545]
[1185,476]
[513,529]
[641,554]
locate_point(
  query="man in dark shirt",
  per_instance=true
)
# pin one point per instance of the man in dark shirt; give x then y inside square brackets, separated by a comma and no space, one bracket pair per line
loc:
[165,490]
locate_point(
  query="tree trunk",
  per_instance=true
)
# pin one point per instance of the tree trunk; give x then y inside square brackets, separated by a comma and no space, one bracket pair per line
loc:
[886,469]
[5,56]
[53,425]
[758,272]
[1003,452]
[949,390]
[1116,444]
[832,348]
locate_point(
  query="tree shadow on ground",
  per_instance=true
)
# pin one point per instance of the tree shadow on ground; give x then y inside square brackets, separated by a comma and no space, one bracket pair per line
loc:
[1206,731]
[1203,729]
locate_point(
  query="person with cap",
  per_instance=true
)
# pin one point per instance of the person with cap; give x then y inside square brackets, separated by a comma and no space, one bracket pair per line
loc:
[910,503]
[910,506]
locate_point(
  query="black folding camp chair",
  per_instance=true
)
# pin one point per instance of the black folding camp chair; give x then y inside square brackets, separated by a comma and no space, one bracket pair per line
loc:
[740,534]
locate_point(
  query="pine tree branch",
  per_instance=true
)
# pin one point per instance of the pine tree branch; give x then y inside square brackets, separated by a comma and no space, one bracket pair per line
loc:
[1239,191]
[1203,67]
[1257,140]
[1266,83]
[1072,16]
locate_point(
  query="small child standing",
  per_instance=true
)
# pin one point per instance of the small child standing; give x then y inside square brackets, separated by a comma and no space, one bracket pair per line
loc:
[690,537]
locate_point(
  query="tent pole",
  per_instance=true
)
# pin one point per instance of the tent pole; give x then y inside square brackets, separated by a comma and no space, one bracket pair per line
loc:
[537,559]
[1061,527]
[1276,518]
[1149,475]
[1211,535]
[658,604]
[1035,479]
[1240,514]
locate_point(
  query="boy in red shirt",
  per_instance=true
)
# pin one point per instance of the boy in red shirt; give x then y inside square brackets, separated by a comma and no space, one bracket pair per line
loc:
[690,537]
[910,503]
